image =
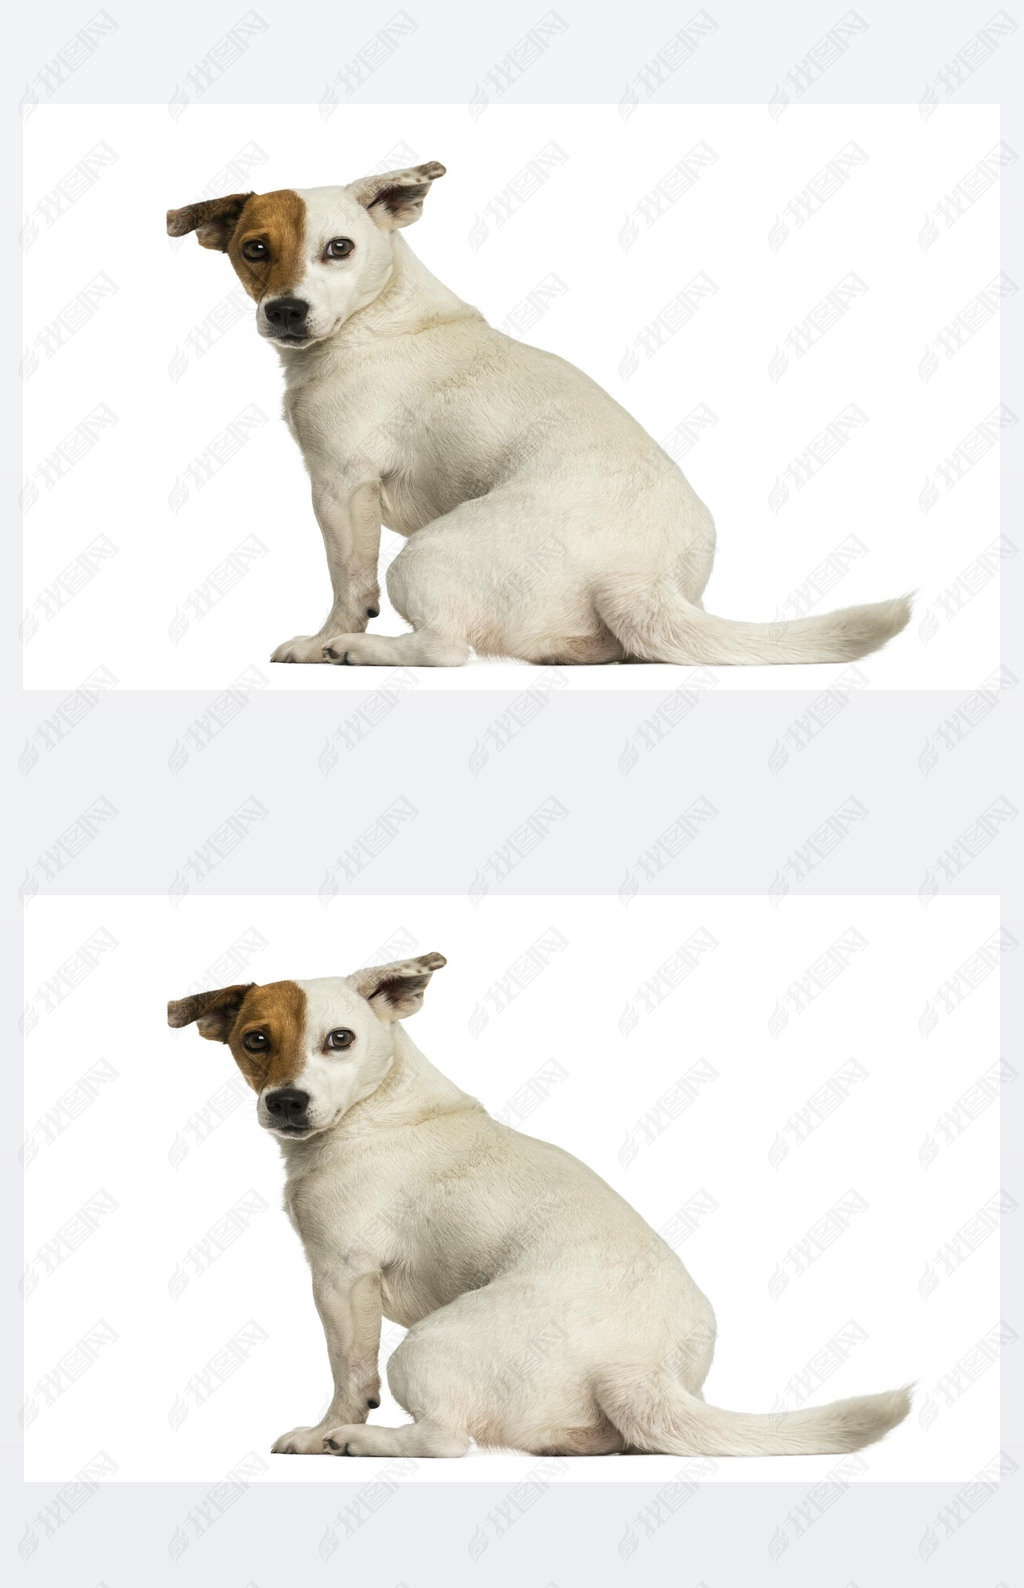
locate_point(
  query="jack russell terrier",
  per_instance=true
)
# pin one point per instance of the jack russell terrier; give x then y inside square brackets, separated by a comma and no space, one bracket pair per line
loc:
[543,1313]
[542,522]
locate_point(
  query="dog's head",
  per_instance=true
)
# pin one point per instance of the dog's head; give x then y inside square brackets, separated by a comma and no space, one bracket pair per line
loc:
[310,257]
[310,1050]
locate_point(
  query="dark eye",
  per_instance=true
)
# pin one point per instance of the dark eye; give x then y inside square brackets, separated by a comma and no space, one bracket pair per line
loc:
[340,1039]
[254,249]
[339,248]
[254,1041]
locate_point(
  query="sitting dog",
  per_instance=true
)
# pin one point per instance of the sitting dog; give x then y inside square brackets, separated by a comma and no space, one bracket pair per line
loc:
[543,1313]
[543,523]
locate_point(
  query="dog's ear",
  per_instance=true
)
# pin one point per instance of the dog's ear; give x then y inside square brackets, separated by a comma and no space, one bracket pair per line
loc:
[214,1012]
[212,220]
[394,992]
[395,198]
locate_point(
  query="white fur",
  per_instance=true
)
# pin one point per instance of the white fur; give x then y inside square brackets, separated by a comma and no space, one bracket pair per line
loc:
[543,1313]
[543,522]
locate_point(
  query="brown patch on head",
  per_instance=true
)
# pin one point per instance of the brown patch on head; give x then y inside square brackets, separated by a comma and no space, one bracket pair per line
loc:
[278,220]
[230,1014]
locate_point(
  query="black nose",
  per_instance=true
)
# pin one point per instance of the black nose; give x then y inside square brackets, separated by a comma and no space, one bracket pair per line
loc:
[287,314]
[288,1105]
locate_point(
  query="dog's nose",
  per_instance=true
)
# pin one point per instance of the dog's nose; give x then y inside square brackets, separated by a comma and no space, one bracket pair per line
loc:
[288,1105]
[287,314]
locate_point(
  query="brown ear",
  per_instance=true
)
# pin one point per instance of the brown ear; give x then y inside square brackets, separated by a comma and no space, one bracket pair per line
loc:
[395,991]
[214,1012]
[212,220]
[395,198]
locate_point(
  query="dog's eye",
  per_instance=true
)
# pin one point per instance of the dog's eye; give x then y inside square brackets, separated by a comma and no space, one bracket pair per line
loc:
[339,248]
[340,1039]
[254,1041]
[254,250]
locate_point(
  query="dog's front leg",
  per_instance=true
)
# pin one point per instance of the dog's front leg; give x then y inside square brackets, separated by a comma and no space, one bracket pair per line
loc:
[349,517]
[349,1308]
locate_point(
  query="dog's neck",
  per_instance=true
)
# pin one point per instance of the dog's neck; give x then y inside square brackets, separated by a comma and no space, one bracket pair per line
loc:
[411,300]
[411,1092]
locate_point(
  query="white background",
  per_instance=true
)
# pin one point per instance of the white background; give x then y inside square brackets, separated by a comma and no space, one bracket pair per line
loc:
[137,1140]
[572,225]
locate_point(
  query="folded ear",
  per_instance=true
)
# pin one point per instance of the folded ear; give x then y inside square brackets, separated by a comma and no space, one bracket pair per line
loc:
[214,1012]
[212,220]
[395,198]
[396,991]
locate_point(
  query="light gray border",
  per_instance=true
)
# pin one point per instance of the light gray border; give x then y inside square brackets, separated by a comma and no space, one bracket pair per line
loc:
[122,1535]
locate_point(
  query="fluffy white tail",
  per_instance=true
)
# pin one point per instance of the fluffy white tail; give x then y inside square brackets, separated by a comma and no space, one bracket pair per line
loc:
[661,1418]
[660,626]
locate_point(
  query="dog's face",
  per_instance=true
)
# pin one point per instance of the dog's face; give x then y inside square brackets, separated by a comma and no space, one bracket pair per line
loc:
[310,257]
[310,1050]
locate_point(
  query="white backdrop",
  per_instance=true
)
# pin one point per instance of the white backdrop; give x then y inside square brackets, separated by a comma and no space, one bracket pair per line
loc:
[803,1098]
[846,262]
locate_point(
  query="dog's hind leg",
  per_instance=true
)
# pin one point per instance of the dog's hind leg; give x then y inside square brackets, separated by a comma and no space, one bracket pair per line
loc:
[421,1438]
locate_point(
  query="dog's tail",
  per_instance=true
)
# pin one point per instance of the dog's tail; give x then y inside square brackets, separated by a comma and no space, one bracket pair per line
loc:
[655,624]
[654,1414]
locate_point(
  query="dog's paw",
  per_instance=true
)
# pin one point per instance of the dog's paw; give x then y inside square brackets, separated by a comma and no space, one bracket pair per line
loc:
[347,650]
[300,1442]
[350,1439]
[303,648]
